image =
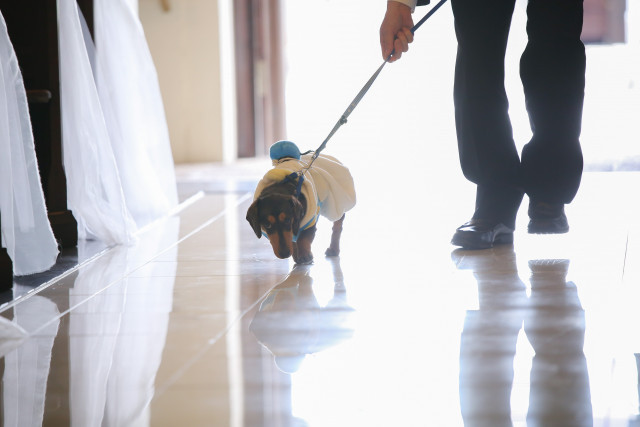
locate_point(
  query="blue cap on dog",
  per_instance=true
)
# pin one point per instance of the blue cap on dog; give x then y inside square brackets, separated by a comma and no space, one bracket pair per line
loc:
[283,149]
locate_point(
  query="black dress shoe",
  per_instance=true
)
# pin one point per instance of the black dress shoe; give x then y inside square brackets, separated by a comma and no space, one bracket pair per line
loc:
[547,218]
[482,234]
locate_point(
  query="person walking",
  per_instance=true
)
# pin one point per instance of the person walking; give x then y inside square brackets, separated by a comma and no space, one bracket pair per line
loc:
[552,70]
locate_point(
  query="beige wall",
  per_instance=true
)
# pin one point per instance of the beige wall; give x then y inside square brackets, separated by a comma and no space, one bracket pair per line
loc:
[184,43]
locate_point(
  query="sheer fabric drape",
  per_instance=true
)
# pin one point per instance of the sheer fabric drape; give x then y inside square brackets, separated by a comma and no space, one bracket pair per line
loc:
[26,233]
[94,189]
[117,157]
[133,110]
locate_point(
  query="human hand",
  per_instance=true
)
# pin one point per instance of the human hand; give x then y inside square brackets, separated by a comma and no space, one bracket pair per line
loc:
[395,30]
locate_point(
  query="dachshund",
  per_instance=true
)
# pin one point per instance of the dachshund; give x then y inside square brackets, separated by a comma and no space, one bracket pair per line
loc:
[286,211]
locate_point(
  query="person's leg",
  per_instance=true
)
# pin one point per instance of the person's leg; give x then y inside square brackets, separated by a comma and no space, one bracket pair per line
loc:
[488,155]
[552,69]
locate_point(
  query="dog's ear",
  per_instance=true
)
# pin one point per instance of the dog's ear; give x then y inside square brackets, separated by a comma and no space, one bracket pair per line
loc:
[298,212]
[252,217]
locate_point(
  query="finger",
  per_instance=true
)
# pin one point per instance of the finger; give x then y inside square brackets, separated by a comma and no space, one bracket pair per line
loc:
[386,41]
[401,44]
[387,48]
[396,55]
[408,34]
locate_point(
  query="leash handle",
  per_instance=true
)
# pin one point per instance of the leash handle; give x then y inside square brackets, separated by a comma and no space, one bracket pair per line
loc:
[419,24]
[364,90]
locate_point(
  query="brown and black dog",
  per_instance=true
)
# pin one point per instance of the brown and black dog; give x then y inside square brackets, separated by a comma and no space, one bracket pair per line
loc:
[277,212]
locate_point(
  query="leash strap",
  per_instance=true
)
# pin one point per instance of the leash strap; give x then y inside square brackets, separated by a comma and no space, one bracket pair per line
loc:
[292,176]
[365,88]
[427,16]
[300,177]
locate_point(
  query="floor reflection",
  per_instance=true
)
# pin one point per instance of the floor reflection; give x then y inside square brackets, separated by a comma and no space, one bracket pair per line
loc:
[12,335]
[291,323]
[635,422]
[26,369]
[92,347]
[208,328]
[553,320]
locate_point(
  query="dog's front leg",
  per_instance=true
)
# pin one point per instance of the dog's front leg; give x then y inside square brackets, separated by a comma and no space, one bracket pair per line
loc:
[336,232]
[302,248]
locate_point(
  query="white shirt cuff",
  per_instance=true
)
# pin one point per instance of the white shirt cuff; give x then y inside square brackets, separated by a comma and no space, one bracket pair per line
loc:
[410,3]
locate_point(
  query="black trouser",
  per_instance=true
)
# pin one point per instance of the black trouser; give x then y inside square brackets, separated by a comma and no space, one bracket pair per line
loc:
[552,69]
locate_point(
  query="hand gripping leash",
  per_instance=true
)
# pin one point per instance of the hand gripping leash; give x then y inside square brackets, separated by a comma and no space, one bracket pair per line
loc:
[363,91]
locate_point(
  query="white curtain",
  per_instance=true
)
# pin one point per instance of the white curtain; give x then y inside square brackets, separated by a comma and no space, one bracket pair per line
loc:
[26,233]
[134,111]
[94,189]
[117,157]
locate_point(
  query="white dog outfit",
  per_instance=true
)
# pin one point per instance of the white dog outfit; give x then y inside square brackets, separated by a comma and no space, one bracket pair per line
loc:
[327,186]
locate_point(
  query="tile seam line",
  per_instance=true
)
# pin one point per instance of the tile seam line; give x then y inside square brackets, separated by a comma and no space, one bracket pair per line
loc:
[188,202]
[210,343]
[207,223]
[626,256]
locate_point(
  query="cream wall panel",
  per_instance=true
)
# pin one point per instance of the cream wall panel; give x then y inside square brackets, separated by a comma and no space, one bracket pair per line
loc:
[184,43]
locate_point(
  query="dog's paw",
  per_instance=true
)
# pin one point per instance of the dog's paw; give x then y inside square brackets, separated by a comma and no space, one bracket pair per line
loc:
[303,259]
[331,252]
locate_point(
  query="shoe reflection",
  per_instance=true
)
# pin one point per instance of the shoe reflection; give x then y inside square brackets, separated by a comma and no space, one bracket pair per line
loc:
[554,324]
[291,323]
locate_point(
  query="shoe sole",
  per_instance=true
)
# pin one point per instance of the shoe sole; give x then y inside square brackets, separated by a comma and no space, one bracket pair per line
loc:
[532,230]
[467,241]
[546,228]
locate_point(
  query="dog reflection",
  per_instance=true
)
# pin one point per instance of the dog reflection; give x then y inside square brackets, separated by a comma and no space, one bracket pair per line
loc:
[554,324]
[291,323]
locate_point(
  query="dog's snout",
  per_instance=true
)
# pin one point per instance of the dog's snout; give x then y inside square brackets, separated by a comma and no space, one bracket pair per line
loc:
[282,244]
[283,253]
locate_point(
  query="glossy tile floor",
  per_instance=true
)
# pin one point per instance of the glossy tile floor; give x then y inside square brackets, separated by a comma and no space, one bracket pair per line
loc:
[200,325]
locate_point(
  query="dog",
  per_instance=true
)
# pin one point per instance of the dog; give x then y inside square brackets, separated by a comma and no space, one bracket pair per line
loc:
[286,210]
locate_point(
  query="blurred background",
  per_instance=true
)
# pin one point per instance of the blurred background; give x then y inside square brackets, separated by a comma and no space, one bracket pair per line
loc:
[237,76]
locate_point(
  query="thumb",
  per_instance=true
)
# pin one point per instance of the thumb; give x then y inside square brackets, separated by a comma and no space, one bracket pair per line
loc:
[386,42]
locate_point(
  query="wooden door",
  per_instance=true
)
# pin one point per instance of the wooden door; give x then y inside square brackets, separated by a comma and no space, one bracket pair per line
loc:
[259,75]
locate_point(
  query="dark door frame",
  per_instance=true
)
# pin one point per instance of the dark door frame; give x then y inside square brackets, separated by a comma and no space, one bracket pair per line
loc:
[259,75]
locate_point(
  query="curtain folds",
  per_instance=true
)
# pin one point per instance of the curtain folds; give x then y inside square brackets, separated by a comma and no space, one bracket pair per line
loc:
[26,233]
[117,157]
[116,150]
[94,189]
[134,111]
